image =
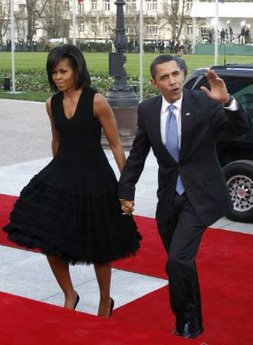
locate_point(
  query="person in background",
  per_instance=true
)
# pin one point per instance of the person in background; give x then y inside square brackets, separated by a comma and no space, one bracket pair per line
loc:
[230,34]
[242,35]
[222,36]
[70,209]
[182,128]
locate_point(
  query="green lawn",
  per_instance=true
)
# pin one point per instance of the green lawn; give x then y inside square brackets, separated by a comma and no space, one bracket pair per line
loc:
[98,63]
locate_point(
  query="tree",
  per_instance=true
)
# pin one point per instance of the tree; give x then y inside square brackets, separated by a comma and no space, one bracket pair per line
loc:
[4,22]
[54,22]
[175,17]
[35,9]
[132,22]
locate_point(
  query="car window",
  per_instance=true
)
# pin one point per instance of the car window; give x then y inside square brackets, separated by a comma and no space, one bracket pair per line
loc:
[240,88]
[189,84]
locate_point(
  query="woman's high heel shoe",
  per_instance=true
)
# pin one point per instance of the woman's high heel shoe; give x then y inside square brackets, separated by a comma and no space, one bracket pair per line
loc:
[76,301]
[112,306]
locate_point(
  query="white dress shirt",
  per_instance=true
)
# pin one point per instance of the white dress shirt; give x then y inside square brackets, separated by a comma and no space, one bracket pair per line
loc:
[177,112]
[165,114]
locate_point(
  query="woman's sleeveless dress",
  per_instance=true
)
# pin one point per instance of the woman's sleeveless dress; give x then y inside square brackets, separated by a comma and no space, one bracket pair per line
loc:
[71,208]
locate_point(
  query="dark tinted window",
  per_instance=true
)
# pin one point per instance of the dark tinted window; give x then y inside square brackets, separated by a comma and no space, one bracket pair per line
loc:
[240,88]
[190,83]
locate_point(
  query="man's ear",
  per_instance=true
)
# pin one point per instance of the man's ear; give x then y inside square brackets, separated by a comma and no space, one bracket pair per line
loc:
[184,75]
[153,82]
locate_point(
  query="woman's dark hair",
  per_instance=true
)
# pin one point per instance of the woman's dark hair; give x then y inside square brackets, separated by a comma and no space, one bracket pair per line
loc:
[166,58]
[76,59]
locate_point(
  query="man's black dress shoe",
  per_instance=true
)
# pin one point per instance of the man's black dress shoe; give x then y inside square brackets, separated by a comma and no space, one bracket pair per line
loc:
[177,332]
[191,330]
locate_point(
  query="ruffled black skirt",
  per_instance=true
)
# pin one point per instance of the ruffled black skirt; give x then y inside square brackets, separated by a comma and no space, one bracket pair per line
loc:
[73,215]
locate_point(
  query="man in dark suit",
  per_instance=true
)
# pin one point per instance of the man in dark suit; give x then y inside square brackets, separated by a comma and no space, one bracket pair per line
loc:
[192,192]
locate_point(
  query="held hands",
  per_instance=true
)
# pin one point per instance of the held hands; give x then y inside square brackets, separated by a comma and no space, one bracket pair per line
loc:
[127,206]
[218,92]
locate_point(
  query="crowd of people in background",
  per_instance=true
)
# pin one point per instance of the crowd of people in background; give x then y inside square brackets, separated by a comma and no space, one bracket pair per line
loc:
[171,46]
[228,36]
[23,45]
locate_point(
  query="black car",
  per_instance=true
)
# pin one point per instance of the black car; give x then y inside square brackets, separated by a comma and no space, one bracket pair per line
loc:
[235,153]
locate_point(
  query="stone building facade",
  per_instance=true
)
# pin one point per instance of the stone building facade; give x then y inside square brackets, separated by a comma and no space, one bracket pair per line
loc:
[95,19]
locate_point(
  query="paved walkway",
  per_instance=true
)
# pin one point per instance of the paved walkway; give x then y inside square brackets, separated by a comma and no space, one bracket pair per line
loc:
[25,144]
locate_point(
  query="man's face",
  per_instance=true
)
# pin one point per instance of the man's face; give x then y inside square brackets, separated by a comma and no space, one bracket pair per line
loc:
[169,80]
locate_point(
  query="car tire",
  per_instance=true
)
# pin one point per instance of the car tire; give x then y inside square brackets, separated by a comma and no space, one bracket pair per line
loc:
[239,178]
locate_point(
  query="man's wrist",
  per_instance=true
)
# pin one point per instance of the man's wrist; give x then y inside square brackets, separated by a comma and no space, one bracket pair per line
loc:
[229,102]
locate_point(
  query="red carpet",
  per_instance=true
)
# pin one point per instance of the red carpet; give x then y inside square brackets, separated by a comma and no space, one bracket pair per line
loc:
[6,204]
[225,265]
[27,322]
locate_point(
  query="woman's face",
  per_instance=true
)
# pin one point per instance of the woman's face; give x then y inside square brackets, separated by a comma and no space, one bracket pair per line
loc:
[64,76]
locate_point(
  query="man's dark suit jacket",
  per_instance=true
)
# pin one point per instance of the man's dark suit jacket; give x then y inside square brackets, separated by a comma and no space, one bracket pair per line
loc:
[203,179]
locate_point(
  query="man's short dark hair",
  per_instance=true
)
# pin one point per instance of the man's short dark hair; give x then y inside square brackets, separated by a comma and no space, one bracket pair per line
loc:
[166,58]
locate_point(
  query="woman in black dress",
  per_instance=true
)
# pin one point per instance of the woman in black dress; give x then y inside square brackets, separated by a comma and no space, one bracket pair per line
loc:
[70,209]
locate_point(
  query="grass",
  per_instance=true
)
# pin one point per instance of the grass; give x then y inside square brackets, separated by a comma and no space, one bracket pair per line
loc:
[97,63]
[38,96]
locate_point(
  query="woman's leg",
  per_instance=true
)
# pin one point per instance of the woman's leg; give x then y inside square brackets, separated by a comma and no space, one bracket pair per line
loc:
[61,272]
[103,274]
